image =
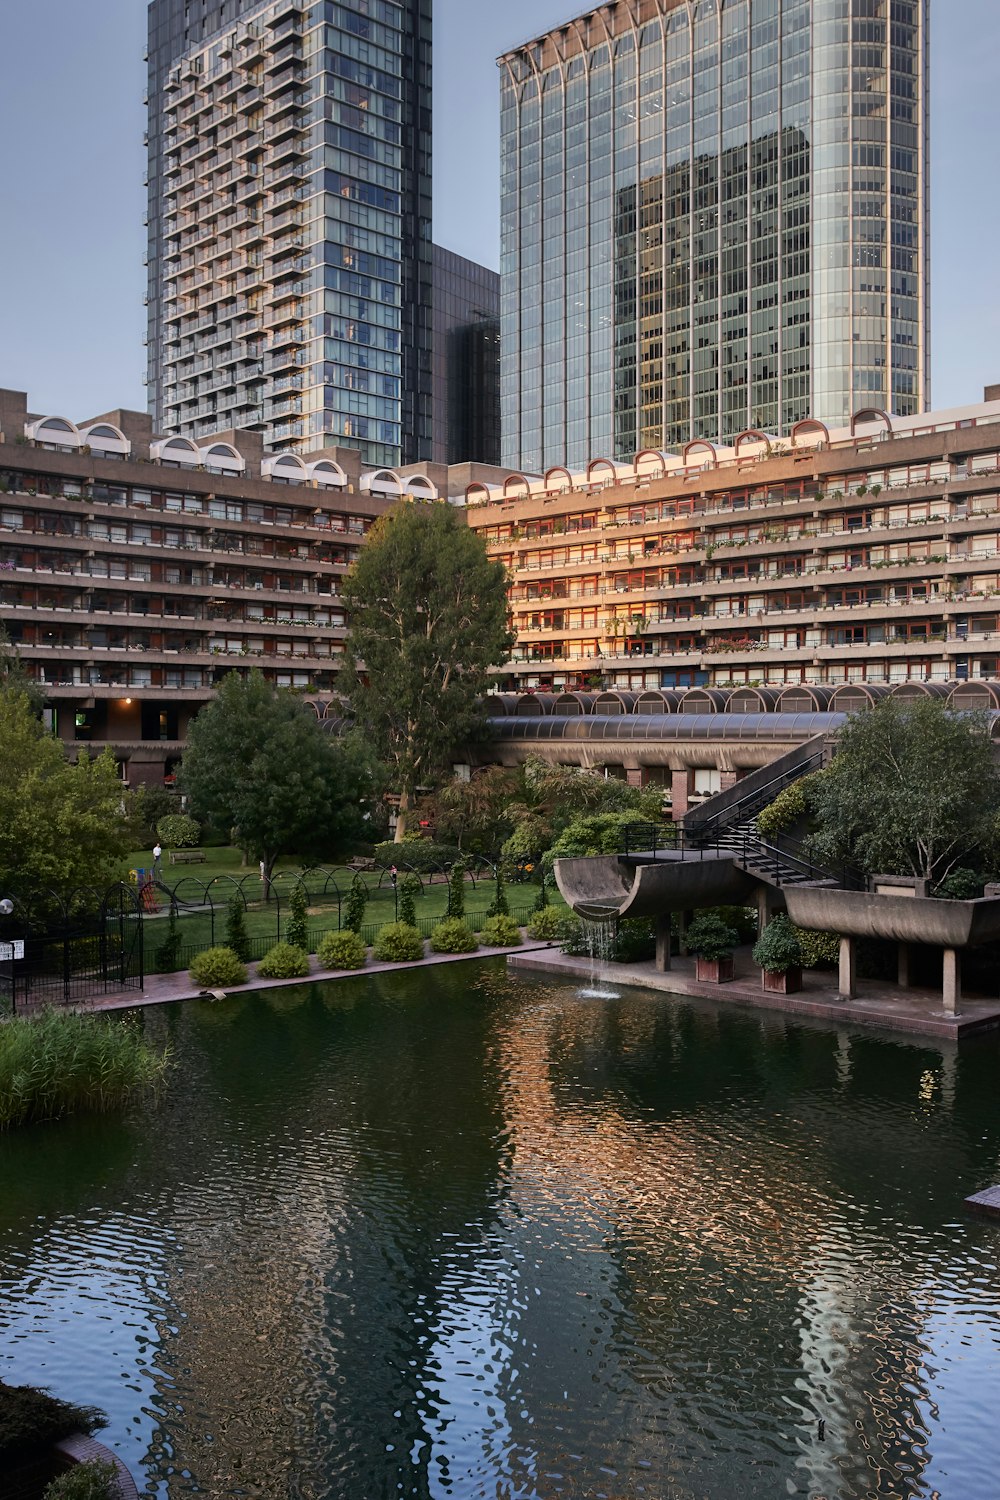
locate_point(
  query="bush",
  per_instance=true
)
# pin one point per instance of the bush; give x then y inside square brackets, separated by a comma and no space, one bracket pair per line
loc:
[90,1481]
[178,831]
[422,855]
[237,937]
[500,932]
[217,967]
[453,936]
[711,938]
[778,948]
[342,950]
[552,925]
[284,961]
[542,899]
[398,943]
[167,955]
[456,890]
[60,1064]
[357,900]
[820,950]
[409,889]
[297,928]
[961,885]
[500,906]
[147,806]
[634,941]
[788,808]
[599,833]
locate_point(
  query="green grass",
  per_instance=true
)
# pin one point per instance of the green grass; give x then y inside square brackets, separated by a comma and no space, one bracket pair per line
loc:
[61,1064]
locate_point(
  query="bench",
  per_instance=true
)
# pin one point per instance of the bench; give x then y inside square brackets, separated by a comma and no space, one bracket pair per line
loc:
[187,856]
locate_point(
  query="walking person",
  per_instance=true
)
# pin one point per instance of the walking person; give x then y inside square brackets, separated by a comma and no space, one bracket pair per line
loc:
[157,856]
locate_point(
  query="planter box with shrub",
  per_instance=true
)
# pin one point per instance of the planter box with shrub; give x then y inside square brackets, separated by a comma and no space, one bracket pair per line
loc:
[712,941]
[779,953]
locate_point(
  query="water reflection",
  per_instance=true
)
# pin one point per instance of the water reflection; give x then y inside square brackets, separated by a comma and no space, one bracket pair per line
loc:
[459,1235]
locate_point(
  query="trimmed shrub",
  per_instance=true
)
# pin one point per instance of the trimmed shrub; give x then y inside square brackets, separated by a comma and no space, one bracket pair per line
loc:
[409,889]
[297,927]
[820,950]
[237,937]
[284,961]
[420,854]
[553,925]
[167,954]
[500,932]
[711,938]
[178,831]
[342,950]
[90,1481]
[398,943]
[788,808]
[456,890]
[778,949]
[61,1064]
[217,967]
[500,907]
[542,899]
[357,900]
[453,936]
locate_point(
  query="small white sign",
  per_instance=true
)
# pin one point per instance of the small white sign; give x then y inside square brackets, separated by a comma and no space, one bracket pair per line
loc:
[11,951]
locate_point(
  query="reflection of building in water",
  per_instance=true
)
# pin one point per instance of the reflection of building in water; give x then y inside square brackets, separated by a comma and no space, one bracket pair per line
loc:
[721,1268]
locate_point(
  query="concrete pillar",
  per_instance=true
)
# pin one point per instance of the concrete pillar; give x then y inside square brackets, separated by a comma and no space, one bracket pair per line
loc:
[681,787]
[903,976]
[843,1059]
[663,944]
[769,902]
[952,981]
[848,969]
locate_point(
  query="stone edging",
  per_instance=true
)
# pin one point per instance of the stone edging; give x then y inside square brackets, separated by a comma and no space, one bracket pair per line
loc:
[80,1449]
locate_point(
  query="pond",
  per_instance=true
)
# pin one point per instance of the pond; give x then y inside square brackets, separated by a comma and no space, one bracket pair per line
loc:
[456,1233]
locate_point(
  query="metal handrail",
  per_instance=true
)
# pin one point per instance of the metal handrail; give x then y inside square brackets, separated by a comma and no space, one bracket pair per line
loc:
[759,798]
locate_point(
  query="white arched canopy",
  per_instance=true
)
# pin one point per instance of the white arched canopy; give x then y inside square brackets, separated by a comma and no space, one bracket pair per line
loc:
[420,486]
[104,437]
[324,471]
[58,431]
[223,457]
[381,482]
[175,450]
[285,466]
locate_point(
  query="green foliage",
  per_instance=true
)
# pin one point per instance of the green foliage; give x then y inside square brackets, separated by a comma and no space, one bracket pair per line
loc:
[500,906]
[409,889]
[297,927]
[961,885]
[553,797]
[634,941]
[284,961]
[743,918]
[456,890]
[552,925]
[597,833]
[342,950]
[453,936]
[778,948]
[167,955]
[61,825]
[15,679]
[422,855]
[258,762]
[428,618]
[237,937]
[32,1420]
[789,807]
[398,943]
[475,815]
[61,1064]
[820,950]
[177,831]
[146,807]
[542,899]
[357,900]
[912,790]
[216,968]
[710,937]
[500,931]
[89,1481]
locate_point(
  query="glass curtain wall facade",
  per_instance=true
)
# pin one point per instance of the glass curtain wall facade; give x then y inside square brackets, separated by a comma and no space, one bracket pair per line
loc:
[290,256]
[714,219]
[466,361]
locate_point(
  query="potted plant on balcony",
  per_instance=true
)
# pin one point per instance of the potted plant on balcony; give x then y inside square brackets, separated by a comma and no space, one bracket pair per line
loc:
[712,941]
[779,953]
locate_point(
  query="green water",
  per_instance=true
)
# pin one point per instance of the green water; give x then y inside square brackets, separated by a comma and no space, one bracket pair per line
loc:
[451,1233]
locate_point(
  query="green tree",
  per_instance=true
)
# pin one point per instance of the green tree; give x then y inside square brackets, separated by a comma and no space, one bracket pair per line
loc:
[474,815]
[428,619]
[912,790]
[61,825]
[297,930]
[456,889]
[237,937]
[409,889]
[258,763]
[15,677]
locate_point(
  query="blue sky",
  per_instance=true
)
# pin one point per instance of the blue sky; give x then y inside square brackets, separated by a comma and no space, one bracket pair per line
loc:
[71,119]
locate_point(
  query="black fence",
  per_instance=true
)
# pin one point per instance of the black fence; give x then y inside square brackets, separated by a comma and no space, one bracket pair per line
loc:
[56,951]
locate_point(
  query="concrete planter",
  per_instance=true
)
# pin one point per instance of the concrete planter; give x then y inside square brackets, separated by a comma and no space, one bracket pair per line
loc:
[715,970]
[788,983]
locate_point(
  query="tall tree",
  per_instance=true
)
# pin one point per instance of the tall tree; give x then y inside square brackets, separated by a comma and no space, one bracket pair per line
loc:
[913,789]
[61,826]
[258,763]
[428,619]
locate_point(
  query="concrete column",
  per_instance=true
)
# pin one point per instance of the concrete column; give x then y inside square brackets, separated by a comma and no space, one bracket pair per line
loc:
[663,944]
[681,787]
[903,977]
[952,981]
[848,969]
[769,902]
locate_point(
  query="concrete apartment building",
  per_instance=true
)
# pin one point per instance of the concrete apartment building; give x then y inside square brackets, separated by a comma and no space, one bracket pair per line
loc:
[714,217]
[862,555]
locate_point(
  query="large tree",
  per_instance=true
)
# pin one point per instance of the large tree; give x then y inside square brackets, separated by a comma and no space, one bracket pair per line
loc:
[428,619]
[912,790]
[62,826]
[258,763]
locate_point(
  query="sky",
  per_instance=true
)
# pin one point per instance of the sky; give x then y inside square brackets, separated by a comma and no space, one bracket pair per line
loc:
[71,184]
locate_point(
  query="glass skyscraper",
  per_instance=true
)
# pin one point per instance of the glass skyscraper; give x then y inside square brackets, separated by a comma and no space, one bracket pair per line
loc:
[290,257]
[714,219]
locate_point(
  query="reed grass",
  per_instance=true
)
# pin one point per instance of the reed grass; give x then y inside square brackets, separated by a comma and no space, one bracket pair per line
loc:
[59,1064]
